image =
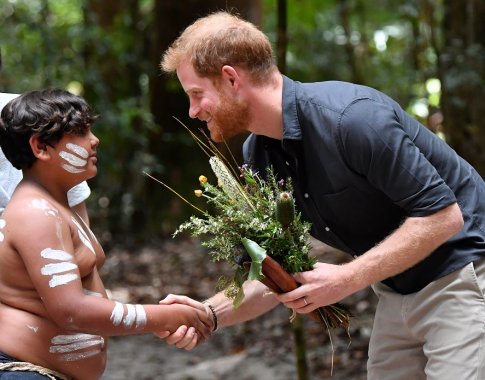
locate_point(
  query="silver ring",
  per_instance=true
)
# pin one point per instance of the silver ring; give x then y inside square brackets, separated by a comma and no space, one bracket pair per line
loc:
[304,300]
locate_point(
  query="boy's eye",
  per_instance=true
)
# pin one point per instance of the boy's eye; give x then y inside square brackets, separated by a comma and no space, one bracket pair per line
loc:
[83,132]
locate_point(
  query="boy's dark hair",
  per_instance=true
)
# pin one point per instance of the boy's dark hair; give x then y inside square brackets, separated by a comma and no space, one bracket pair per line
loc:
[50,114]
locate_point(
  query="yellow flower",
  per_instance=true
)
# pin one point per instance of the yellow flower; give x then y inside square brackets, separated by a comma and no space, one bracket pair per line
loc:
[202,179]
[198,193]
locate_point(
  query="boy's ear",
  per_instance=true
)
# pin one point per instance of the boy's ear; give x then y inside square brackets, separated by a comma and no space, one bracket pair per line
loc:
[39,149]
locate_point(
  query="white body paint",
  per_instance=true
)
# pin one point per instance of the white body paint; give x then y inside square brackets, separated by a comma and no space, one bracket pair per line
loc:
[79,356]
[130,316]
[55,254]
[117,314]
[33,328]
[53,269]
[62,279]
[83,236]
[2,225]
[69,344]
[42,204]
[59,232]
[141,317]
[91,293]
[135,315]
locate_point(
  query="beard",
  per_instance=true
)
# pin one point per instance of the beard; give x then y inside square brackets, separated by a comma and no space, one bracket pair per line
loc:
[231,118]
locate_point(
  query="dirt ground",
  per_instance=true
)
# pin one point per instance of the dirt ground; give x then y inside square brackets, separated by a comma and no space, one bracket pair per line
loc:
[259,349]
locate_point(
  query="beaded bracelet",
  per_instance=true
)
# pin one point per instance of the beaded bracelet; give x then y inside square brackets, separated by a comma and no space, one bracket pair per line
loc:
[214,316]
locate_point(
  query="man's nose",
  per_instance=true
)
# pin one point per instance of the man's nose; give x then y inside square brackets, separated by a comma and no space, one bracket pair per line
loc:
[193,111]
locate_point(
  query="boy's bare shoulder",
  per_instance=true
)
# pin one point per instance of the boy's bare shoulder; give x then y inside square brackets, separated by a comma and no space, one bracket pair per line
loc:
[30,213]
[32,200]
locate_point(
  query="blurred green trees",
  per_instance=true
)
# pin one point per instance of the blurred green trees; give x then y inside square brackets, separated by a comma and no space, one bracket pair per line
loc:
[421,52]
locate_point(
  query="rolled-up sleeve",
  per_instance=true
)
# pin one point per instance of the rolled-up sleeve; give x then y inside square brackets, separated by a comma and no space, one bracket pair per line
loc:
[376,145]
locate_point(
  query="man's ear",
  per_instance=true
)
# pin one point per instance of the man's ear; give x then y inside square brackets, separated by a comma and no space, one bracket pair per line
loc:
[39,149]
[231,76]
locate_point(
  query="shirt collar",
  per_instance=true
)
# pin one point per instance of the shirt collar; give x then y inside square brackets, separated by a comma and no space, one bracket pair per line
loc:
[291,124]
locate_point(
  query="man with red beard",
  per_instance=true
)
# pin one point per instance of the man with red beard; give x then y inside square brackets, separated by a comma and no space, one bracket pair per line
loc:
[373,182]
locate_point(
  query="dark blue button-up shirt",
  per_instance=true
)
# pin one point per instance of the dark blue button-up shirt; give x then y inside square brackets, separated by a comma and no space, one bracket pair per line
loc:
[360,165]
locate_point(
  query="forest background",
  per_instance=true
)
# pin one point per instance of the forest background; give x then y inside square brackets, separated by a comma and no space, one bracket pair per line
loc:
[426,54]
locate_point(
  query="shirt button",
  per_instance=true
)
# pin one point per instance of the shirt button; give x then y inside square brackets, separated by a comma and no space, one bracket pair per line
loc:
[327,229]
[306,195]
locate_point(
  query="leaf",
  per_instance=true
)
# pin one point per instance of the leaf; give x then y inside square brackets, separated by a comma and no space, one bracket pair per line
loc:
[239,277]
[258,254]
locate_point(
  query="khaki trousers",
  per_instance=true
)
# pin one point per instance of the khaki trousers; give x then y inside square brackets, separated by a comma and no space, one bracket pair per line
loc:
[436,333]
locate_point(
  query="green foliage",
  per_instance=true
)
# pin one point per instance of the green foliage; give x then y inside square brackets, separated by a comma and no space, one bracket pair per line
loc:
[245,214]
[40,44]
[372,43]
[110,58]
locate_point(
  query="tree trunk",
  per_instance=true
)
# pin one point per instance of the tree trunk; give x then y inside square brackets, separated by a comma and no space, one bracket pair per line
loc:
[462,73]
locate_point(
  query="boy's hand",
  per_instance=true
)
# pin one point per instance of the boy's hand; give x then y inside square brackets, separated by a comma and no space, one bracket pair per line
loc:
[187,337]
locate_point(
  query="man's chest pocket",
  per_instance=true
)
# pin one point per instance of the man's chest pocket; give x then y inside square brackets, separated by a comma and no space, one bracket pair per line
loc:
[353,213]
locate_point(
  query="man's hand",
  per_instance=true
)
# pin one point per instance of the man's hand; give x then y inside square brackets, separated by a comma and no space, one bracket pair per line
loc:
[184,337]
[326,284]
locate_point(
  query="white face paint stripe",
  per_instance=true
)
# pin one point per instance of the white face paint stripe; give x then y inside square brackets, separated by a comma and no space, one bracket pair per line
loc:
[62,279]
[79,150]
[141,317]
[117,314]
[130,316]
[72,169]
[55,254]
[82,235]
[79,356]
[49,269]
[72,159]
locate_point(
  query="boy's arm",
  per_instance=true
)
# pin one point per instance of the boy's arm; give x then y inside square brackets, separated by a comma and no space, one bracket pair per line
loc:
[45,244]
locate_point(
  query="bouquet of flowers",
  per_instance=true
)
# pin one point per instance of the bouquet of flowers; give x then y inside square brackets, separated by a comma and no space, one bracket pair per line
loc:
[254,226]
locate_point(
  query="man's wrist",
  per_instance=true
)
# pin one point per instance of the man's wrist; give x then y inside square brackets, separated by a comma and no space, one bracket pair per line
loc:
[214,315]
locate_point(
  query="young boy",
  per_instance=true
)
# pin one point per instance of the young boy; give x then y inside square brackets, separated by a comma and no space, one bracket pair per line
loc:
[56,318]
